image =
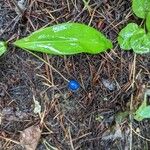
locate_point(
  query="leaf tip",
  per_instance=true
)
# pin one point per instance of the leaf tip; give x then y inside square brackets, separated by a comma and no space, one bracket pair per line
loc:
[3,47]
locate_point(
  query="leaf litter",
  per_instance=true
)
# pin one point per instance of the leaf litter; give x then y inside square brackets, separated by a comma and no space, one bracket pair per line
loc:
[18,72]
[29,138]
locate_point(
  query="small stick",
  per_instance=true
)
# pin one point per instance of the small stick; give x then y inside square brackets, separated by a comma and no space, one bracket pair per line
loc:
[71,142]
[142,137]
[131,102]
[7,139]
[47,64]
[4,30]
[18,7]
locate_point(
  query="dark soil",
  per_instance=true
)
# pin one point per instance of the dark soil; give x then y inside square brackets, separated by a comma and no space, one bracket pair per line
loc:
[85,118]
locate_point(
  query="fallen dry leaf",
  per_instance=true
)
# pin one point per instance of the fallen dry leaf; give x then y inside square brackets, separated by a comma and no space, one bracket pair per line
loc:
[114,134]
[29,137]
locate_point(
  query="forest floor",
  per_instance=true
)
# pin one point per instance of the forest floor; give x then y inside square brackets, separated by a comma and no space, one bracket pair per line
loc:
[111,82]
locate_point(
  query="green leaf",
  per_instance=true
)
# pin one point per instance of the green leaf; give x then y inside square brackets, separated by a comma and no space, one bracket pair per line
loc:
[66,39]
[143,114]
[3,47]
[148,22]
[142,106]
[134,37]
[143,111]
[141,8]
[126,34]
[140,42]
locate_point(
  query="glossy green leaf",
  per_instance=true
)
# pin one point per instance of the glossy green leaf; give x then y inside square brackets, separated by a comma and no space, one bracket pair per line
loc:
[3,47]
[140,43]
[134,37]
[126,34]
[141,8]
[66,39]
[148,22]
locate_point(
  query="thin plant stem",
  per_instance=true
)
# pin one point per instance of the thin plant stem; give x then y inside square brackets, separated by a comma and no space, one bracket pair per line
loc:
[47,64]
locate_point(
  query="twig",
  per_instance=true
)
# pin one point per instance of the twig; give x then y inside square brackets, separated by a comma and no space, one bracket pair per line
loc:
[92,16]
[140,135]
[71,142]
[7,139]
[47,64]
[131,102]
[18,7]
[86,5]
[9,25]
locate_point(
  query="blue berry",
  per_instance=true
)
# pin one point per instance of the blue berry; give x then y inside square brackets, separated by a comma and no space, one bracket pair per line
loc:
[73,85]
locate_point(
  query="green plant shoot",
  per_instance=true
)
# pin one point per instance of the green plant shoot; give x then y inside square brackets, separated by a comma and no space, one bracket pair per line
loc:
[135,37]
[143,111]
[126,34]
[66,39]
[3,48]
